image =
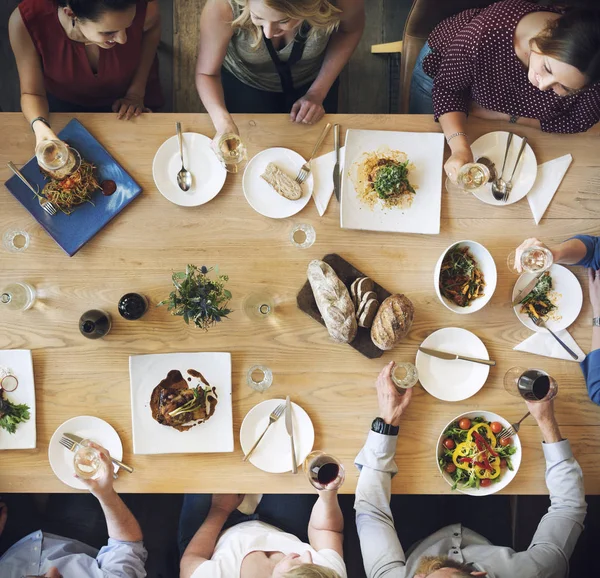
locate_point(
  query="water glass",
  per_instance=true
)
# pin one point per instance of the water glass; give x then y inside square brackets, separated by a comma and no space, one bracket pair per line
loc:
[87,461]
[533,260]
[405,376]
[15,241]
[324,471]
[530,384]
[259,378]
[303,236]
[258,305]
[17,296]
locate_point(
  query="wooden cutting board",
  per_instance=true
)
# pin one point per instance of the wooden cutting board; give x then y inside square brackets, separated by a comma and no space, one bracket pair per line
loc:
[347,273]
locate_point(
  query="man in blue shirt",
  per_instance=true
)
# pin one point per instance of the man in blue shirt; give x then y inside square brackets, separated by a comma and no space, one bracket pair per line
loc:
[45,555]
[581,250]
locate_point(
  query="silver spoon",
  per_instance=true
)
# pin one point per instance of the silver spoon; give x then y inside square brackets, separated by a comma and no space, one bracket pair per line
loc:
[184,177]
[499,186]
[509,185]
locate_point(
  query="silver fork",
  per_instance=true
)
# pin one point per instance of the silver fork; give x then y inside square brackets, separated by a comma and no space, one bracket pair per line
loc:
[305,169]
[509,185]
[542,324]
[275,415]
[72,446]
[47,205]
[512,430]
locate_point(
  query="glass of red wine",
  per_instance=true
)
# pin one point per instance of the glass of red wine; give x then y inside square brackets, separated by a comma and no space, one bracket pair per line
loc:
[530,384]
[324,471]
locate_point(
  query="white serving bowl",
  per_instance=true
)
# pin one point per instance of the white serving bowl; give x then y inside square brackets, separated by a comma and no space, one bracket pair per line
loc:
[507,475]
[487,265]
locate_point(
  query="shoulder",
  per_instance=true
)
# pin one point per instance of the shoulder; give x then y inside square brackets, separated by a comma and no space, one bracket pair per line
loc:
[224,11]
[17,28]
[331,559]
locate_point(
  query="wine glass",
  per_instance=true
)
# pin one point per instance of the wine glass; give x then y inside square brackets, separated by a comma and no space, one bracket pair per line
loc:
[324,471]
[259,305]
[230,150]
[533,260]
[530,384]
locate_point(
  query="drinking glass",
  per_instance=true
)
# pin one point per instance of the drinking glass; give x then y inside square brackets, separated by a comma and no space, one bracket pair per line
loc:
[303,236]
[473,176]
[57,158]
[18,296]
[87,461]
[15,241]
[405,376]
[259,378]
[258,305]
[530,384]
[324,471]
[230,150]
[533,260]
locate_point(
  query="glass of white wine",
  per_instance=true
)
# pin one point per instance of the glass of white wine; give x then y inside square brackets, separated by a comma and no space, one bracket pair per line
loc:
[17,296]
[230,150]
[533,260]
[473,176]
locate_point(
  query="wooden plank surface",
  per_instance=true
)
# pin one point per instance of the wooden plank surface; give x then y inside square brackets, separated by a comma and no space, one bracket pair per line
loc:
[138,250]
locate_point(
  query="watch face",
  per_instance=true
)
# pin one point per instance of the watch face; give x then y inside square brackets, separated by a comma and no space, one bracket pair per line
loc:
[377,425]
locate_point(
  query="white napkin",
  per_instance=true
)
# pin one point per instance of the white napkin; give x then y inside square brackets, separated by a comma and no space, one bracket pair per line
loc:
[549,177]
[543,343]
[322,171]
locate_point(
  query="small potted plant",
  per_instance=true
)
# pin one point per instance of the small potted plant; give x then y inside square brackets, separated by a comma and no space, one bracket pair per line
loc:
[198,298]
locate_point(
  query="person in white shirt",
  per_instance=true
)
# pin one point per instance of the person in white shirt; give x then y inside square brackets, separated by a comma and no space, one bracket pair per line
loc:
[228,543]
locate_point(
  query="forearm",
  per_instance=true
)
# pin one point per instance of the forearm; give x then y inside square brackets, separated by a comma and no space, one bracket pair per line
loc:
[569,252]
[34,105]
[211,93]
[202,545]
[550,430]
[150,42]
[327,514]
[452,123]
[120,522]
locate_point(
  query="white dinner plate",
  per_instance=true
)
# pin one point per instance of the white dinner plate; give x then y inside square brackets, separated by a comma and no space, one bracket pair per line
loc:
[274,453]
[151,437]
[261,196]
[493,146]
[89,428]
[208,174]
[452,380]
[19,362]
[568,298]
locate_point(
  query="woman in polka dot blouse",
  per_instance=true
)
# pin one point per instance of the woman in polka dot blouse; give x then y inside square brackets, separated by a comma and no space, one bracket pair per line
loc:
[514,60]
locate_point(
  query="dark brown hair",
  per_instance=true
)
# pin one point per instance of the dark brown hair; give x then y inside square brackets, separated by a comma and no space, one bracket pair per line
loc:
[574,39]
[94,9]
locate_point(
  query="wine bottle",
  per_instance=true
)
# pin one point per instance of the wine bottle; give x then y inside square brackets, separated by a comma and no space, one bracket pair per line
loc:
[132,306]
[95,324]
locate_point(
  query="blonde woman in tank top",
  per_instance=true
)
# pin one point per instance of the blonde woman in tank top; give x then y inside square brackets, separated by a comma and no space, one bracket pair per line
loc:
[274,56]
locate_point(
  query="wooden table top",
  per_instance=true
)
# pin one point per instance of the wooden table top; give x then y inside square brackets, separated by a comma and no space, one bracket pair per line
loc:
[138,250]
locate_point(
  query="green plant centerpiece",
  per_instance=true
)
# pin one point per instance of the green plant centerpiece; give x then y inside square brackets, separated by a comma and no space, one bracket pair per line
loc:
[198,297]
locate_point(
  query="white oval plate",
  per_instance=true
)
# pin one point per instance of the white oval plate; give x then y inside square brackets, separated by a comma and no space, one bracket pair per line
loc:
[507,476]
[87,427]
[569,299]
[452,380]
[487,266]
[274,454]
[261,196]
[208,174]
[493,145]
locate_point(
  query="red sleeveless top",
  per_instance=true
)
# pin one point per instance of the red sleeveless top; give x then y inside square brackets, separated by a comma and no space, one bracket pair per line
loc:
[66,68]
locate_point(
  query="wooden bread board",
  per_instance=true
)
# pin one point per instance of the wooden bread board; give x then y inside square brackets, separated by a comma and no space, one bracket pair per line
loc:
[347,274]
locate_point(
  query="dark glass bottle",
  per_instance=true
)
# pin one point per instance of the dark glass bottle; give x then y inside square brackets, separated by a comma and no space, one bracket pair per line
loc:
[94,324]
[132,306]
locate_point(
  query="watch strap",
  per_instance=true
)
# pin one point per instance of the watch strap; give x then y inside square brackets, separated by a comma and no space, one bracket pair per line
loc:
[596,321]
[379,426]
[41,119]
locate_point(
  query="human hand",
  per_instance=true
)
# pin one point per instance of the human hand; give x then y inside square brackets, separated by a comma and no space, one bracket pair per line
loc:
[481,112]
[129,106]
[391,403]
[3,516]
[594,289]
[225,127]
[226,503]
[542,411]
[533,242]
[308,109]
[102,487]
[459,157]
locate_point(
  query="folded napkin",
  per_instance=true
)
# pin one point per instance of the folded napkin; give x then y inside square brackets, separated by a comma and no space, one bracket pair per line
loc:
[549,177]
[322,171]
[543,343]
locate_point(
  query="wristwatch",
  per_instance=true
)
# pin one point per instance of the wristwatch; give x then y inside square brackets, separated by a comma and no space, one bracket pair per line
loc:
[513,119]
[379,426]
[596,322]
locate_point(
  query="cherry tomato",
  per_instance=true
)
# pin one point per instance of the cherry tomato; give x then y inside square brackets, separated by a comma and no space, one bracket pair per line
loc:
[464,423]
[449,443]
[450,468]
[496,427]
[503,463]
[485,482]
[505,441]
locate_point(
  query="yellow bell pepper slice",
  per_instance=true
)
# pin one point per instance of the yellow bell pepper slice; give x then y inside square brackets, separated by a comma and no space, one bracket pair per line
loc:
[482,473]
[489,434]
[464,449]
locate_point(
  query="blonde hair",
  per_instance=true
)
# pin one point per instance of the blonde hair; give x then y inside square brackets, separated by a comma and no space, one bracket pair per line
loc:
[322,15]
[312,571]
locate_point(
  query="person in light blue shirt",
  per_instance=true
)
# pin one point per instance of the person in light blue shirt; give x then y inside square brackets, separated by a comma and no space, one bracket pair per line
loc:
[45,555]
[583,250]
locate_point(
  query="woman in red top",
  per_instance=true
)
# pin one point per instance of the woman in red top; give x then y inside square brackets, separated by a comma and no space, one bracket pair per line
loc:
[85,56]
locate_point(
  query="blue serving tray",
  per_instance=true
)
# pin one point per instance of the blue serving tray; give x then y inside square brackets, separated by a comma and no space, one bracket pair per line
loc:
[71,232]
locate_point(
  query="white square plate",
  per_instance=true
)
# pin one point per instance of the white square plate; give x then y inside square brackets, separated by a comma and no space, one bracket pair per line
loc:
[150,437]
[426,153]
[21,366]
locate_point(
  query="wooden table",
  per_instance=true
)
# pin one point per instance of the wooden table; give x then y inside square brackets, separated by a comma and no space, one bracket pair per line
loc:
[138,250]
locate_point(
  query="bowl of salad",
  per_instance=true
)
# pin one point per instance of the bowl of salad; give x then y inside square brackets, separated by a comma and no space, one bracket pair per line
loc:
[472,459]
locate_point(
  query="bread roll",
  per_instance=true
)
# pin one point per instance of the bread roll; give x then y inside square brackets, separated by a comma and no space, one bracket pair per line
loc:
[333,301]
[392,322]
[282,183]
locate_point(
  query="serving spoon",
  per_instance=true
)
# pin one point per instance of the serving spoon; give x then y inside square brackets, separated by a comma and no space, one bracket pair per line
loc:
[499,186]
[184,177]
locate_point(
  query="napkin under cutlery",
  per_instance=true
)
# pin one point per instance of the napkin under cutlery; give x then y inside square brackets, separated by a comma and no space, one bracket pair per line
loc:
[542,343]
[322,171]
[549,177]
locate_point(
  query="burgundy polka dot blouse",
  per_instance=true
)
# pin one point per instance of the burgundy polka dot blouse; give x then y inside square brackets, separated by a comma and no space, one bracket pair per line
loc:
[473,58]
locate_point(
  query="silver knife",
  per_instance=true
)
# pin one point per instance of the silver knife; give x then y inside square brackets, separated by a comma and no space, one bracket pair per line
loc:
[115,461]
[527,289]
[454,356]
[290,429]
[336,168]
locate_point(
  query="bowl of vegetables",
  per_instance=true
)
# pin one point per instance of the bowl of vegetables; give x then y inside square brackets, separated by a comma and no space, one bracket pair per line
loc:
[472,459]
[465,277]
